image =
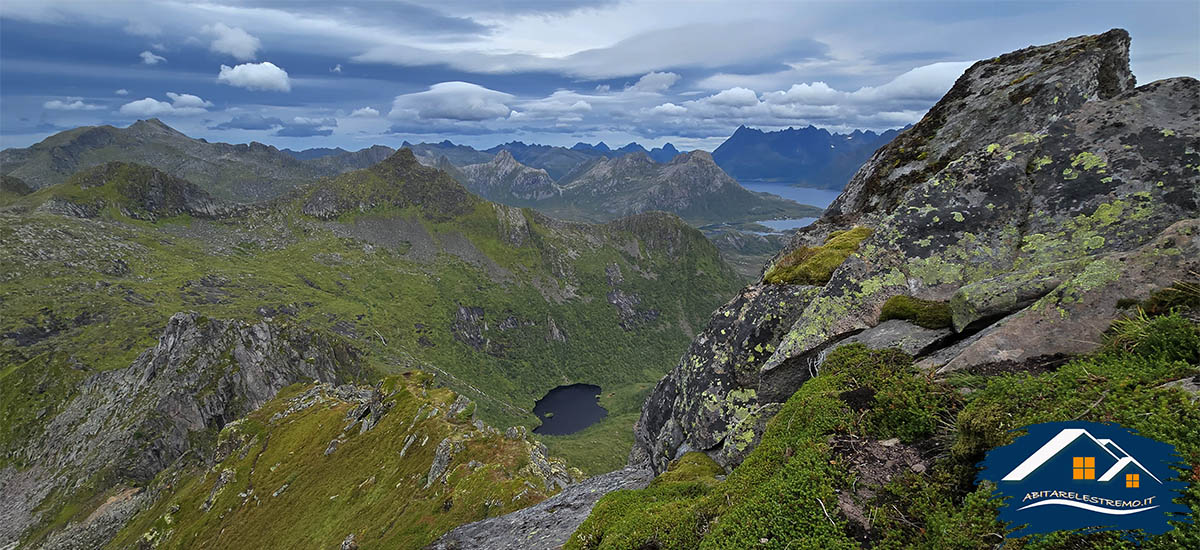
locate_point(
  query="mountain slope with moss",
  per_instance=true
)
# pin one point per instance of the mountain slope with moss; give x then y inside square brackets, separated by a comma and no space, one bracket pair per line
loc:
[392,466]
[396,266]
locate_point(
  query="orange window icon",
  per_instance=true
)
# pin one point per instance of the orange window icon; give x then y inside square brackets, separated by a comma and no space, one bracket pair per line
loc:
[1084,467]
[1133,481]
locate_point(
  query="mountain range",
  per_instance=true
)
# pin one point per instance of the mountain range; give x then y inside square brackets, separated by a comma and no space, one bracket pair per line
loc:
[601,189]
[242,173]
[806,157]
[585,182]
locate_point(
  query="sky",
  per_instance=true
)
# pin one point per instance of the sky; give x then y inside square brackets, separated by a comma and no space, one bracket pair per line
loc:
[312,74]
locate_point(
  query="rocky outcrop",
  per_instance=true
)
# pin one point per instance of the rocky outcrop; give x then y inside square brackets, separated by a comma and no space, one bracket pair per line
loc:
[1040,191]
[546,525]
[127,425]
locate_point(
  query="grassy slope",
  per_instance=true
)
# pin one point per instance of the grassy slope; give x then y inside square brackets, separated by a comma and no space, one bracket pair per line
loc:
[92,294]
[365,487]
[779,497]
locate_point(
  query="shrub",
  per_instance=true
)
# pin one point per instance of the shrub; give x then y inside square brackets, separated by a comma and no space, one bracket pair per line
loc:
[925,313]
[815,265]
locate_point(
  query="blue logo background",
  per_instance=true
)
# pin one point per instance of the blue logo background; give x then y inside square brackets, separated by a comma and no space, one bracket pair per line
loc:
[1047,484]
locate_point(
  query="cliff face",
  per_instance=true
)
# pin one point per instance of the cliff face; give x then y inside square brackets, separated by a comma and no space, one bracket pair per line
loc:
[1041,190]
[127,425]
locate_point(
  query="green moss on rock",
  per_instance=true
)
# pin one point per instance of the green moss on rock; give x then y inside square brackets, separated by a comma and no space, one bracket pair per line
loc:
[925,313]
[815,265]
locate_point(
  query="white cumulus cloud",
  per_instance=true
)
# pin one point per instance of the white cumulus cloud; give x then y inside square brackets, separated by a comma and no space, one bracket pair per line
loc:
[734,97]
[234,41]
[256,76]
[122,91]
[150,58]
[461,101]
[180,104]
[669,109]
[365,112]
[70,104]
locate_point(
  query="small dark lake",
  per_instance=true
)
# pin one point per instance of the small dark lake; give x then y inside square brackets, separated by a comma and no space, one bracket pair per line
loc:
[568,409]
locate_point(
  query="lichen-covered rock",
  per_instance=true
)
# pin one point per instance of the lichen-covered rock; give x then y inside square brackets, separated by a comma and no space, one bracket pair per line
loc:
[712,389]
[1039,191]
[909,338]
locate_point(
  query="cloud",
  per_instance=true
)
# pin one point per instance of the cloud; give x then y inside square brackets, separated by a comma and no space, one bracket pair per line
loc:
[150,58]
[654,82]
[461,101]
[158,47]
[180,104]
[336,68]
[256,76]
[187,101]
[233,41]
[307,127]
[249,122]
[817,93]
[365,112]
[734,97]
[669,109]
[70,104]
[122,91]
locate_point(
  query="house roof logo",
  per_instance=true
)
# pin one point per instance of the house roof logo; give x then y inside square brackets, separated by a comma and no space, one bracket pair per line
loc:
[1085,475]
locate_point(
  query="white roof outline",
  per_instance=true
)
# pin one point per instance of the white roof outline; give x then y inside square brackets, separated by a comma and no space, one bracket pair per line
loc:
[1060,442]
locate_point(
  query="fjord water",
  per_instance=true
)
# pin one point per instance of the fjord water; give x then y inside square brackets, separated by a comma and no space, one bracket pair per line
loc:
[803,195]
[570,409]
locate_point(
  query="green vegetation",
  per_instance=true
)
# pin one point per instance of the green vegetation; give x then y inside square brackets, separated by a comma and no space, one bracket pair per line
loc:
[926,313]
[786,494]
[815,265]
[278,488]
[1169,337]
[87,295]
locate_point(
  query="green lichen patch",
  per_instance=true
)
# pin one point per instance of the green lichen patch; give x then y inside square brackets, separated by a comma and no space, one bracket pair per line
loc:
[925,313]
[815,265]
